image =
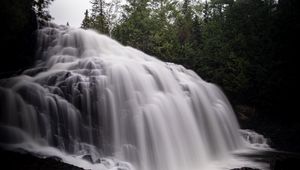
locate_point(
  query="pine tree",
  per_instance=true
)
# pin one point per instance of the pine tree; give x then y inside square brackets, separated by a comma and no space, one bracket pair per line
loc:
[136,27]
[86,23]
[98,17]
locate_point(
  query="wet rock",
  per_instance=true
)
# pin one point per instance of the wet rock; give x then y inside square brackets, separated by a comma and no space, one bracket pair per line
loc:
[245,168]
[26,161]
[88,158]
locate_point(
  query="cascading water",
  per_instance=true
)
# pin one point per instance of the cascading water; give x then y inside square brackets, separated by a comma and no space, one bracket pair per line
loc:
[89,95]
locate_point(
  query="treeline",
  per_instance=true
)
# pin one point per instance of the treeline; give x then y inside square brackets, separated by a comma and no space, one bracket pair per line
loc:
[247,47]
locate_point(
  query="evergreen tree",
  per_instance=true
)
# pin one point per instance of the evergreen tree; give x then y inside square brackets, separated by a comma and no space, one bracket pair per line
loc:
[113,11]
[136,26]
[183,24]
[98,18]
[86,23]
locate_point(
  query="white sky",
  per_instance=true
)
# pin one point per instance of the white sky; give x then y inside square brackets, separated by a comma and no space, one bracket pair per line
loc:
[71,11]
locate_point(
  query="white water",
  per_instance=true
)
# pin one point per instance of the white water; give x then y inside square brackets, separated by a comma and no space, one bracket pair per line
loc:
[89,95]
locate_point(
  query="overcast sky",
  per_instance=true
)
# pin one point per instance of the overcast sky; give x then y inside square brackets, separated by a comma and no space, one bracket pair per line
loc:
[71,11]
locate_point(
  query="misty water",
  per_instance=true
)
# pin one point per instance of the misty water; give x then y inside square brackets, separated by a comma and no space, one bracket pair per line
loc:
[90,96]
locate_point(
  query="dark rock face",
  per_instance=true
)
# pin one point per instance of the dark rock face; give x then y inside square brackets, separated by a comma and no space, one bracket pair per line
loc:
[285,164]
[18,38]
[25,161]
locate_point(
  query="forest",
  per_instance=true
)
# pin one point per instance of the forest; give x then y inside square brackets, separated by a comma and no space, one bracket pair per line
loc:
[247,47]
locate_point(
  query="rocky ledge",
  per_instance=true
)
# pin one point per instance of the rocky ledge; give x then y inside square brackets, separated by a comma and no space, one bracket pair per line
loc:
[26,161]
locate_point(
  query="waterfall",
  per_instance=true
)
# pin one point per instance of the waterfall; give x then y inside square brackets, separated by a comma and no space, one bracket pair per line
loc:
[90,95]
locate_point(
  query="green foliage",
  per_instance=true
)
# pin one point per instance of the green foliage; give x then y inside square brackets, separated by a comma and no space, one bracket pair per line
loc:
[136,29]
[98,18]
